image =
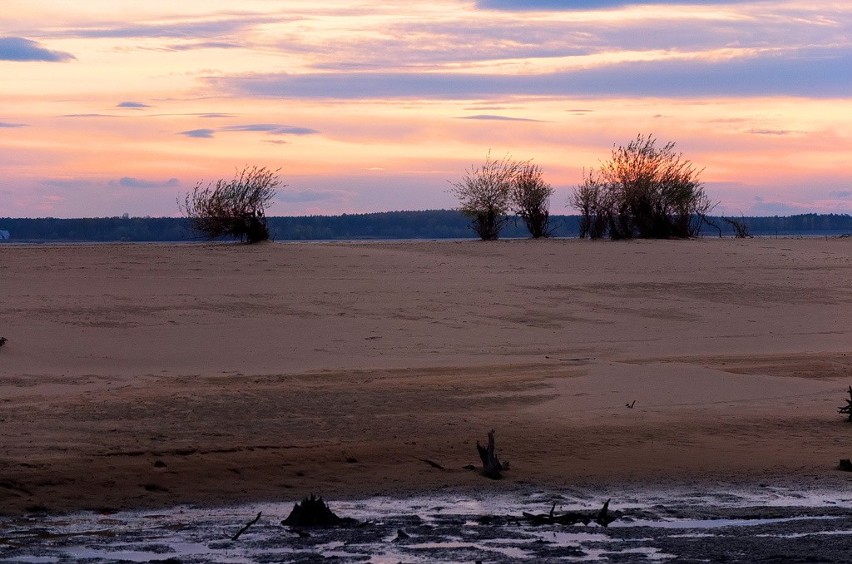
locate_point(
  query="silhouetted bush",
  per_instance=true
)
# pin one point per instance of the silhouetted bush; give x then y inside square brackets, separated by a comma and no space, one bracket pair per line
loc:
[741,229]
[233,208]
[530,198]
[642,191]
[484,194]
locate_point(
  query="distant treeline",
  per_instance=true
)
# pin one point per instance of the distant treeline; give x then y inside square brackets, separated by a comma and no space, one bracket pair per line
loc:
[434,224]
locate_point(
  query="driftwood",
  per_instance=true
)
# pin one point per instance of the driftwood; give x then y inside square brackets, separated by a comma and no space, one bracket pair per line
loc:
[491,465]
[432,463]
[246,528]
[313,512]
[848,407]
[603,517]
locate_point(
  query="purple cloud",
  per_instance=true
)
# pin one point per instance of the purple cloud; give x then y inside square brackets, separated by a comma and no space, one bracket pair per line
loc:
[268,128]
[215,29]
[271,129]
[771,131]
[133,105]
[798,74]
[498,118]
[87,116]
[535,5]
[199,133]
[4,124]
[21,49]
[130,182]
[204,45]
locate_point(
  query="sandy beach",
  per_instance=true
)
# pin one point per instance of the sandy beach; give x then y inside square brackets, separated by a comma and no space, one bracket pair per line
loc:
[155,375]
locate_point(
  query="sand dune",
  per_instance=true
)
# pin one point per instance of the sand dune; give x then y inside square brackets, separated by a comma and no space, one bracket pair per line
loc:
[150,375]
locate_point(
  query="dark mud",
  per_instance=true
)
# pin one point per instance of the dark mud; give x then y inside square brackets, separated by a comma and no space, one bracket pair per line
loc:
[767,525]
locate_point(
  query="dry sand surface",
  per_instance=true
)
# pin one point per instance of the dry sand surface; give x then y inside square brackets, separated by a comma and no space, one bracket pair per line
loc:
[153,375]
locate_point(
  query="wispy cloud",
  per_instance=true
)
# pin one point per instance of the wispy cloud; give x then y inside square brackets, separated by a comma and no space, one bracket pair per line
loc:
[267,128]
[215,28]
[491,117]
[199,133]
[770,131]
[271,129]
[4,124]
[132,105]
[551,5]
[203,45]
[131,182]
[87,116]
[22,49]
[752,74]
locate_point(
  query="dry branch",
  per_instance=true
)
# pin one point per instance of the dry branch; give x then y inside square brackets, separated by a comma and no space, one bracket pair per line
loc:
[602,517]
[246,528]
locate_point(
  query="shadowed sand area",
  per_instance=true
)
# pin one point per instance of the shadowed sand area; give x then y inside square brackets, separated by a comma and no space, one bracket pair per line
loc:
[153,375]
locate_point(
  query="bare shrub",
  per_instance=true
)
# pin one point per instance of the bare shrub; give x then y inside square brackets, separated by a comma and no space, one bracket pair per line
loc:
[233,208]
[530,198]
[484,195]
[642,191]
[593,201]
[741,229]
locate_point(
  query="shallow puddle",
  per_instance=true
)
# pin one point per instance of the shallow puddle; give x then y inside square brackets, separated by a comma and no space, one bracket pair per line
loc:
[653,526]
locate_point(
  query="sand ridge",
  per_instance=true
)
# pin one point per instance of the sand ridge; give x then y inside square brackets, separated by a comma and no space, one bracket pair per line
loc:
[150,375]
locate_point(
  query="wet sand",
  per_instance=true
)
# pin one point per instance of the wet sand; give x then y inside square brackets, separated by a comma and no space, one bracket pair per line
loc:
[152,375]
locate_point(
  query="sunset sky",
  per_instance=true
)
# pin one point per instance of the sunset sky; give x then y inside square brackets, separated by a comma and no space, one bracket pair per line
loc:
[110,106]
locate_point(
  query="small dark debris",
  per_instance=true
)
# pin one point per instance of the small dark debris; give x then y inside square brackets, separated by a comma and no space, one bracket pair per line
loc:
[847,409]
[3,341]
[154,488]
[159,464]
[845,465]
[631,404]
[36,509]
[351,460]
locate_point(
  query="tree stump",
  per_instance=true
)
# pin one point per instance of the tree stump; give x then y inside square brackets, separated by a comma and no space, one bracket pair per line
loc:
[313,512]
[491,466]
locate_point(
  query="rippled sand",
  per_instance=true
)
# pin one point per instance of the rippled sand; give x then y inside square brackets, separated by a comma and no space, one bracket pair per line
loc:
[141,376]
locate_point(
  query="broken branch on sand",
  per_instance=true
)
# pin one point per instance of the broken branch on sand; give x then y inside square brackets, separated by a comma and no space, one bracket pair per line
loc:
[602,517]
[431,463]
[246,528]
